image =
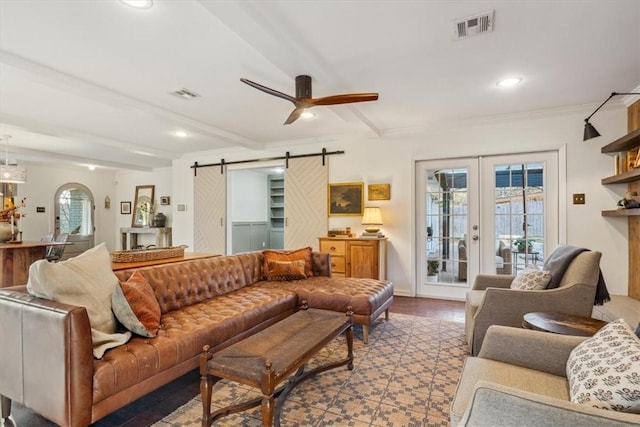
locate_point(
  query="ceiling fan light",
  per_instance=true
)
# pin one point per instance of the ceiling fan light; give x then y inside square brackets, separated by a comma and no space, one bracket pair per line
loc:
[509,82]
[306,114]
[138,4]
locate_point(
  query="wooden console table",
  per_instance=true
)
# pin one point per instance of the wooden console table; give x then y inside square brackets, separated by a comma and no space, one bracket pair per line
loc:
[130,235]
[16,258]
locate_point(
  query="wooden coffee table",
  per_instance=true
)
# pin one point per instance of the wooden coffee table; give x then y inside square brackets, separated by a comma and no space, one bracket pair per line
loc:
[564,324]
[269,357]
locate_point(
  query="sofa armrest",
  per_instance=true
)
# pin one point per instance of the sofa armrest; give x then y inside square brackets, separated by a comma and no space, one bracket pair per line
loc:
[46,357]
[321,264]
[497,405]
[484,281]
[541,351]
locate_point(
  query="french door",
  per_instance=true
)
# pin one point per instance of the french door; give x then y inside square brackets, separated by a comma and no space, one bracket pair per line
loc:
[492,215]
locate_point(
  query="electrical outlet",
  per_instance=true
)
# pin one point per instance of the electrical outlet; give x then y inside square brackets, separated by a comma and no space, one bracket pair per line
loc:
[578,198]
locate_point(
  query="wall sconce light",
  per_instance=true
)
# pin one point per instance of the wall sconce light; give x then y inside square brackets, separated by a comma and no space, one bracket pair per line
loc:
[372,216]
[589,130]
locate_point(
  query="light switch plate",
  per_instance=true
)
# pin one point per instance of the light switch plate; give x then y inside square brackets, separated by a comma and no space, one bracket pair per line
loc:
[578,199]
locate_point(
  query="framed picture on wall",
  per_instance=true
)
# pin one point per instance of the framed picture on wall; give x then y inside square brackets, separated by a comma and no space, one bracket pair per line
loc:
[379,191]
[125,208]
[346,198]
[165,200]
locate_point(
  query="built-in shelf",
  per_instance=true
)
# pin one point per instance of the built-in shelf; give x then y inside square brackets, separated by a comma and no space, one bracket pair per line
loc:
[622,212]
[627,142]
[623,178]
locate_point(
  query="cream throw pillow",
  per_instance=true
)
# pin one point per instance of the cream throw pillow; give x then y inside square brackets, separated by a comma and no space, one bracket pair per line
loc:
[87,281]
[604,370]
[531,279]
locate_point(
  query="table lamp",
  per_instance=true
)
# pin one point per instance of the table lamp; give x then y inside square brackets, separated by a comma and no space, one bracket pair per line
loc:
[371,218]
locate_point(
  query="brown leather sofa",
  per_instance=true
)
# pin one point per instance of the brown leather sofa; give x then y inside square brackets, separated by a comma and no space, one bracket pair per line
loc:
[46,359]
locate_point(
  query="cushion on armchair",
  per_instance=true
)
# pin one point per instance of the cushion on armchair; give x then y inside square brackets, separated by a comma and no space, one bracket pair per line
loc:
[604,370]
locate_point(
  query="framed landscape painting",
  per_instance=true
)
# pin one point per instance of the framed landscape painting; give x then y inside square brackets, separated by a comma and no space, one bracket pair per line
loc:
[379,191]
[346,198]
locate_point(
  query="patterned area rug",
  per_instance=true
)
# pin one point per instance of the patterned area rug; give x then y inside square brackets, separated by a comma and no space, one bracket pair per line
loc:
[406,376]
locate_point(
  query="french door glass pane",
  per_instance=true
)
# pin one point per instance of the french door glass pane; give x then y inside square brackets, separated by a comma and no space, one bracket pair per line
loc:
[519,216]
[446,216]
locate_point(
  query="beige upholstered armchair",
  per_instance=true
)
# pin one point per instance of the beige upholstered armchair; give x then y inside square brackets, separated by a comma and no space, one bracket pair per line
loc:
[503,259]
[491,301]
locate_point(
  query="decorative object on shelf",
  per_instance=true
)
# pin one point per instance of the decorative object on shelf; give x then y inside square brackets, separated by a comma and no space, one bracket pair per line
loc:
[371,218]
[125,208]
[346,198]
[159,220]
[165,200]
[11,221]
[379,191]
[631,201]
[339,232]
[107,203]
[11,173]
[589,130]
[143,207]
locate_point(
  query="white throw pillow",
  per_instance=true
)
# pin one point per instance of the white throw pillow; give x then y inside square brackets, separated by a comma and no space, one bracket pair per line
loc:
[604,370]
[86,281]
[531,278]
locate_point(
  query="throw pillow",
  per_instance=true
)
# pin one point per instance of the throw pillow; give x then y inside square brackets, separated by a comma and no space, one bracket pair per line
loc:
[531,278]
[638,330]
[604,370]
[286,270]
[303,254]
[136,307]
[86,281]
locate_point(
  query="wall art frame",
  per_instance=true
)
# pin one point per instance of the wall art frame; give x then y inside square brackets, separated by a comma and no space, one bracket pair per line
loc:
[346,198]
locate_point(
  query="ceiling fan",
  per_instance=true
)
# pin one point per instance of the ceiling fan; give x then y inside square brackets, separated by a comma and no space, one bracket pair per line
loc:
[303,99]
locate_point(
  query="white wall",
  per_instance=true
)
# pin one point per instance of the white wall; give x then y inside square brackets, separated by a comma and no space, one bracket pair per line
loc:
[43,182]
[391,158]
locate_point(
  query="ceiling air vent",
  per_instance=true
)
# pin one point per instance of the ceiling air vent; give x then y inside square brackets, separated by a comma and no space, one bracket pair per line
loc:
[185,93]
[473,25]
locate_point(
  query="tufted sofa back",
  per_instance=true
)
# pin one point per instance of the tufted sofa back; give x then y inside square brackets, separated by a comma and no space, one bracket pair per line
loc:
[182,284]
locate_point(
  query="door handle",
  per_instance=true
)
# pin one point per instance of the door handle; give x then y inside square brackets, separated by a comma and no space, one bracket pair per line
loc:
[475,238]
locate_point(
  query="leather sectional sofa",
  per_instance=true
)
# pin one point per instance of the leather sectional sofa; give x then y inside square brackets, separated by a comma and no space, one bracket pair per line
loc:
[46,359]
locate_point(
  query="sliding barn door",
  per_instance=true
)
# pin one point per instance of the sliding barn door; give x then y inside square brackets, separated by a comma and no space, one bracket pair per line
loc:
[305,198]
[210,200]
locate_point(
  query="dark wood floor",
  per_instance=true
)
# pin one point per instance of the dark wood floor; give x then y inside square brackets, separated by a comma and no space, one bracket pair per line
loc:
[154,406]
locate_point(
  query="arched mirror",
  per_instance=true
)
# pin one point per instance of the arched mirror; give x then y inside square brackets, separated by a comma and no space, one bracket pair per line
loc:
[143,206]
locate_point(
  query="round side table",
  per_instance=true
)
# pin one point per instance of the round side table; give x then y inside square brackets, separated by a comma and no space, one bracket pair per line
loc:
[564,324]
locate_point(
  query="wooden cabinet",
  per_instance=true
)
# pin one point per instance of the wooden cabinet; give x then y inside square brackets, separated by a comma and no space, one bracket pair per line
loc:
[356,257]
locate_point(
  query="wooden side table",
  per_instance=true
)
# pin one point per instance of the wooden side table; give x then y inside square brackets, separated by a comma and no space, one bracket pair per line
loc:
[560,323]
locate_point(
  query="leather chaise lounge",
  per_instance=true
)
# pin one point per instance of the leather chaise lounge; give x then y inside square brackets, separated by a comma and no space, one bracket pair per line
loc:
[46,358]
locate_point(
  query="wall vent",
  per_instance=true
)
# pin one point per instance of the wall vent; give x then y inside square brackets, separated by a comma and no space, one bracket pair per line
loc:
[473,25]
[185,93]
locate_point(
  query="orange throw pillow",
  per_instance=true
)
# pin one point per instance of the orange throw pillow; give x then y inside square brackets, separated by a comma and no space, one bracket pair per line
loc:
[134,304]
[303,254]
[286,270]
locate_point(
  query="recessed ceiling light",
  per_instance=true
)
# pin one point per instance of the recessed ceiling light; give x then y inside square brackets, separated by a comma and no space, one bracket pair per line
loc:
[91,167]
[306,114]
[138,4]
[180,134]
[509,82]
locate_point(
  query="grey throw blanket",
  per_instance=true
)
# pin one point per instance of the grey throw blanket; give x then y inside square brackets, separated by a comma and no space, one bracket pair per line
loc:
[558,262]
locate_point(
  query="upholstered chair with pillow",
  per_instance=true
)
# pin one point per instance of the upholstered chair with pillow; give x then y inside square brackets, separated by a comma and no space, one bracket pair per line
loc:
[497,300]
[525,377]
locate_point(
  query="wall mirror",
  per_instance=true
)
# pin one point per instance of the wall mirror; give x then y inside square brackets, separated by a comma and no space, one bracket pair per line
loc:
[143,206]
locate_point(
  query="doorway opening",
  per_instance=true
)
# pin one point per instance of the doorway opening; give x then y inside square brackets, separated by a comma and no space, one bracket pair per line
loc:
[74,215]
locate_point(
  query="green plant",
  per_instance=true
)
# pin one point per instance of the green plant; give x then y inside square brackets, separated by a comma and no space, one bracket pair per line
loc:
[433,266]
[523,245]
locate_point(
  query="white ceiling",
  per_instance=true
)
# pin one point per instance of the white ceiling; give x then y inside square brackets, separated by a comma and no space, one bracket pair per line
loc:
[88,82]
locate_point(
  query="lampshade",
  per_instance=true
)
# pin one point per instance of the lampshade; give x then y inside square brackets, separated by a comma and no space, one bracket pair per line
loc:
[372,216]
[589,131]
[11,173]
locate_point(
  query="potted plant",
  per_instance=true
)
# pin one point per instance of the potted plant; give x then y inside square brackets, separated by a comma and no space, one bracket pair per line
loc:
[523,246]
[433,266]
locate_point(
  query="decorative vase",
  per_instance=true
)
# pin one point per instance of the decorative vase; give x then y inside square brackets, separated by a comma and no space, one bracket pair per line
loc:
[159,220]
[6,231]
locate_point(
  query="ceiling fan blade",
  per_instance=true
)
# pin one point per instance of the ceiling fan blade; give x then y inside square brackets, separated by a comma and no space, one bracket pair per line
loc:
[346,98]
[295,115]
[268,90]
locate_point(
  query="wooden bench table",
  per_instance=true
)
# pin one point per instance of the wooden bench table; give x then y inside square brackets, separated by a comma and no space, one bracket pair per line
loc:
[269,357]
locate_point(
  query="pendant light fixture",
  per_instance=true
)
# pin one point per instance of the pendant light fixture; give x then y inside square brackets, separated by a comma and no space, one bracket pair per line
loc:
[11,173]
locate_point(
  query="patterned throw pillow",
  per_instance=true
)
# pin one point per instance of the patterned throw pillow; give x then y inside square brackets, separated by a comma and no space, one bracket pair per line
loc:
[303,254]
[135,306]
[531,278]
[286,270]
[604,370]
